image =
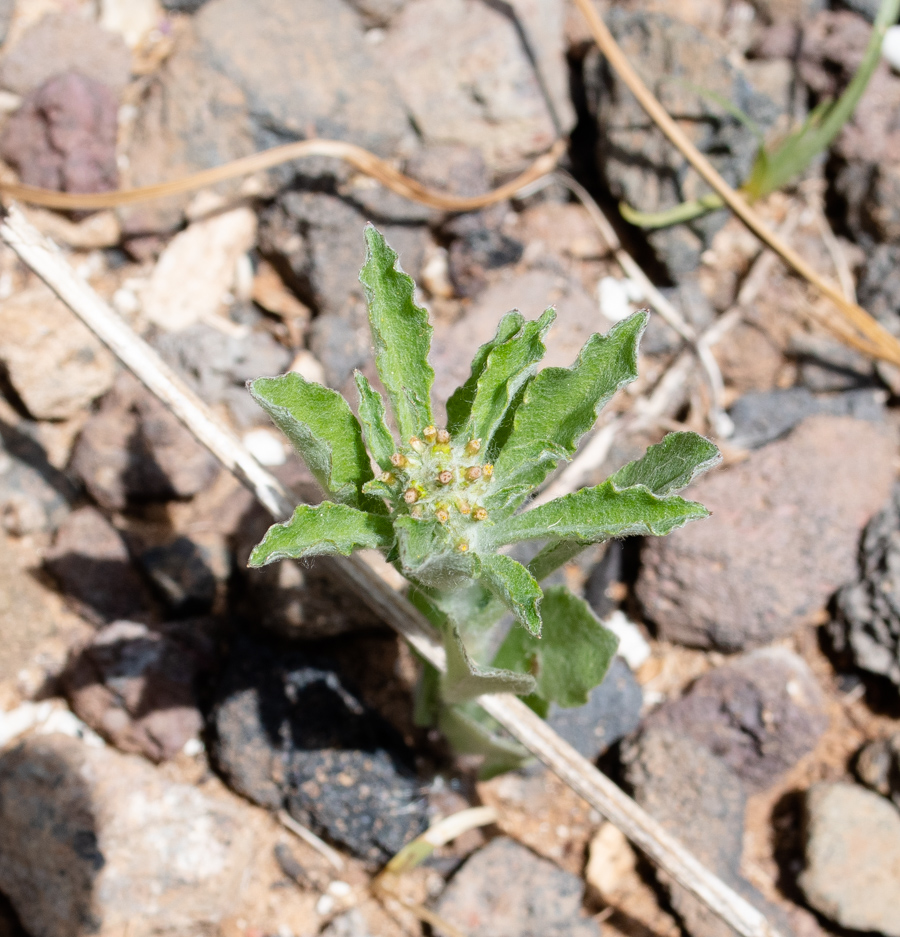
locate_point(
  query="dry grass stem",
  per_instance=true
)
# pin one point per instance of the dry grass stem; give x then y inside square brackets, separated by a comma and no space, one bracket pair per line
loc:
[356,156]
[884,345]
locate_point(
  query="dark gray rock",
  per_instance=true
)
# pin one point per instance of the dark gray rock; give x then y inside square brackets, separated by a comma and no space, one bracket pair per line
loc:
[219,365]
[288,731]
[505,890]
[479,245]
[826,365]
[186,573]
[761,418]
[865,8]
[779,542]
[867,625]
[305,69]
[183,6]
[759,715]
[136,686]
[852,873]
[34,496]
[510,110]
[612,711]
[90,561]
[318,238]
[698,799]
[638,163]
[879,285]
[878,766]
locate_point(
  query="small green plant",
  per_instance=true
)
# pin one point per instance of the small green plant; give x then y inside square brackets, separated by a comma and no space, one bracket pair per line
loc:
[445,503]
[777,166]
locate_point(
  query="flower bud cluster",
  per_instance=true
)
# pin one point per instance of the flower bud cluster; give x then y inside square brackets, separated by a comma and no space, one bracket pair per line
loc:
[438,477]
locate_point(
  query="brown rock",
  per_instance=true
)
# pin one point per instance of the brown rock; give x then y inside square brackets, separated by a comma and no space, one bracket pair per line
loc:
[91,563]
[65,42]
[783,536]
[759,714]
[95,842]
[193,117]
[54,363]
[134,448]
[36,630]
[505,890]
[64,136]
[135,686]
[852,873]
[482,90]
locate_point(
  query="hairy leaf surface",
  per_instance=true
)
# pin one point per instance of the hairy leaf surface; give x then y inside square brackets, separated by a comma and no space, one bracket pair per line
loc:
[401,334]
[470,736]
[428,557]
[670,465]
[572,655]
[593,515]
[559,406]
[516,588]
[505,369]
[326,528]
[459,406]
[322,428]
[465,680]
[375,430]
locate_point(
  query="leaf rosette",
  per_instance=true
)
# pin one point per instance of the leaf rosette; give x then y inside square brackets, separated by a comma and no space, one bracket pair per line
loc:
[446,501]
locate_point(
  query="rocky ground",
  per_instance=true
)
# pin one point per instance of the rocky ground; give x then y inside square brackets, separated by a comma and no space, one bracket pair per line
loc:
[161,706]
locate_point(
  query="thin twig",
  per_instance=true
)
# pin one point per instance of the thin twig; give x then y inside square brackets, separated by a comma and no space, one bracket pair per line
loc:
[335,859]
[356,156]
[885,345]
[46,260]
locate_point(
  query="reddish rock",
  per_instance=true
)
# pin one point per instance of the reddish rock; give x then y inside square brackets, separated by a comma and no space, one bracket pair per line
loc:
[64,136]
[135,686]
[783,536]
[133,448]
[90,561]
[759,714]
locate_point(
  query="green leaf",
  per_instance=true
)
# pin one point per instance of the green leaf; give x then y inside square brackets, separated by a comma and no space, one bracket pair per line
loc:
[470,736]
[459,406]
[498,375]
[371,411]
[326,528]
[514,585]
[670,465]
[401,334]
[572,655]
[593,515]
[322,428]
[554,555]
[428,556]
[465,680]
[559,406]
